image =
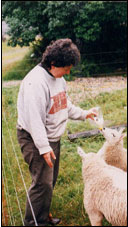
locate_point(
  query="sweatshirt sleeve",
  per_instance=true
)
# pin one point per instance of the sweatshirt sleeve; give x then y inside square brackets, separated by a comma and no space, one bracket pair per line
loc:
[76,113]
[35,104]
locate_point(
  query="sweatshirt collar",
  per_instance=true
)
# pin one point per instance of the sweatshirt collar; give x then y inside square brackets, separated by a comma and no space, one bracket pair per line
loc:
[43,66]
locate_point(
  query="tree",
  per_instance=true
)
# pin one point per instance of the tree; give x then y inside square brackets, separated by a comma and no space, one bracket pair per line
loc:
[95,26]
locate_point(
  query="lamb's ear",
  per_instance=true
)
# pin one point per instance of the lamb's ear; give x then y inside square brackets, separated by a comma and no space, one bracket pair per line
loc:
[81,152]
[122,129]
[122,136]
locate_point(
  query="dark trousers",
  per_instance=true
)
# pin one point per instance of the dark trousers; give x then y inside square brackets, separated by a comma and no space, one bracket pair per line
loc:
[43,178]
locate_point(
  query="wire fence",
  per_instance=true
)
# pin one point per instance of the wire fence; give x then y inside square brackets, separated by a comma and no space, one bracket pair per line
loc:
[5,180]
[95,64]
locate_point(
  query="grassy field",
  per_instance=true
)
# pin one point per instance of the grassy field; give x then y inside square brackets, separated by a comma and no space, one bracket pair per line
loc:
[67,200]
[11,57]
[68,194]
[16,62]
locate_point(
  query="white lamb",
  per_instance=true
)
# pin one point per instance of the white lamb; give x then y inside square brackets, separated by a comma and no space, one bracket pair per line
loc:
[113,151]
[105,190]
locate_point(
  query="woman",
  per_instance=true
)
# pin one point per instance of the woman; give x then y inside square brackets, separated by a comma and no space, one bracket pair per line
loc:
[43,111]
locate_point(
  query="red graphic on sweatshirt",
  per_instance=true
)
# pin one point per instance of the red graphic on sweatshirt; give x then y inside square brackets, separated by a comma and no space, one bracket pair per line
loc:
[59,102]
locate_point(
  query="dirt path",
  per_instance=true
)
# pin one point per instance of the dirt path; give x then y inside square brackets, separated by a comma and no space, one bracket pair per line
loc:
[12,83]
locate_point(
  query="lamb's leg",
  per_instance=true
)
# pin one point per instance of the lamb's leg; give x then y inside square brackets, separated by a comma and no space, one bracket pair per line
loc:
[95,218]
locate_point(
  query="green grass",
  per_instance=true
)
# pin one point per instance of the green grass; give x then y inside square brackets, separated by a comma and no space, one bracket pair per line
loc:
[67,200]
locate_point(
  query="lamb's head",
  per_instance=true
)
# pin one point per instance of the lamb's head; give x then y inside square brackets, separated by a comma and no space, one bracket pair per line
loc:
[113,136]
[90,163]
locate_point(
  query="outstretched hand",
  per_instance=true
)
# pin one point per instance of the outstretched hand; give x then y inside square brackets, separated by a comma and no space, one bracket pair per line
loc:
[48,156]
[92,113]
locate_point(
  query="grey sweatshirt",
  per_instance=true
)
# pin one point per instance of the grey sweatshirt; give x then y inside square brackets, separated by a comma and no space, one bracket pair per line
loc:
[43,108]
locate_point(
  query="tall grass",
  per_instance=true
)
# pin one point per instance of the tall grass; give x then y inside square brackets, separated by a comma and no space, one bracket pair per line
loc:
[67,200]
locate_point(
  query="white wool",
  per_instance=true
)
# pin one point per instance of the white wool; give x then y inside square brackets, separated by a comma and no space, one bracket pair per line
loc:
[115,176]
[105,190]
[113,151]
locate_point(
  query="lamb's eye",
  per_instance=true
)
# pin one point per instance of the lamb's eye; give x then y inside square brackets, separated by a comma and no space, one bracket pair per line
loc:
[113,135]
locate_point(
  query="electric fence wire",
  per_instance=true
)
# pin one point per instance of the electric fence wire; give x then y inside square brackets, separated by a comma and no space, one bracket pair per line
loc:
[13,181]
[89,64]
[7,195]
[21,175]
[83,54]
[90,54]
[3,215]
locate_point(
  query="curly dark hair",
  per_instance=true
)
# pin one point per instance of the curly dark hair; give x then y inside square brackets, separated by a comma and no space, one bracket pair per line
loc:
[61,53]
